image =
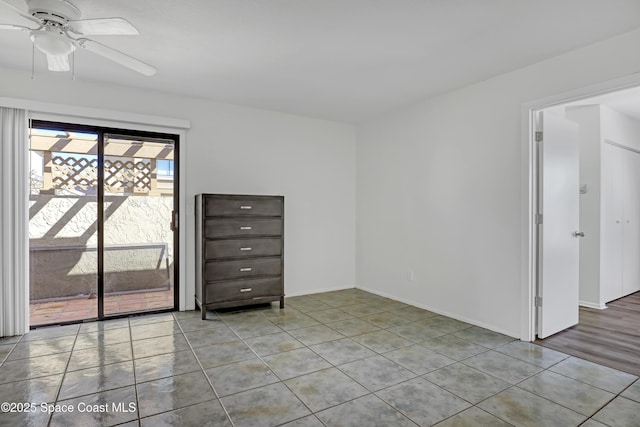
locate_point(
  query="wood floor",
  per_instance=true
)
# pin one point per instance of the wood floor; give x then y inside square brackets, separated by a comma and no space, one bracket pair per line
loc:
[610,337]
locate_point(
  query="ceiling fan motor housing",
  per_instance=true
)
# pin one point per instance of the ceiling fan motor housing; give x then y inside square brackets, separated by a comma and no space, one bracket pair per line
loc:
[54,11]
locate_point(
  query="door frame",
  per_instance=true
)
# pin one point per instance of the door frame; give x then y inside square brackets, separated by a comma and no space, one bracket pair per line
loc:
[529,190]
[178,234]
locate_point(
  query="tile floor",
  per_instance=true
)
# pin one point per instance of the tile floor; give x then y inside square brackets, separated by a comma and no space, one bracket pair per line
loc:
[343,358]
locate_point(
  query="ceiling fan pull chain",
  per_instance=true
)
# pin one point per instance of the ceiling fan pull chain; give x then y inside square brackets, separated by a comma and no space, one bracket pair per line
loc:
[33,60]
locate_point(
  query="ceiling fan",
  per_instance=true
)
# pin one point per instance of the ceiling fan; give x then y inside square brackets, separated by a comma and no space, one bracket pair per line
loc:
[60,31]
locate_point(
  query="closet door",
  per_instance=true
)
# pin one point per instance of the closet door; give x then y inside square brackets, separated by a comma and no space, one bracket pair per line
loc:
[611,223]
[630,170]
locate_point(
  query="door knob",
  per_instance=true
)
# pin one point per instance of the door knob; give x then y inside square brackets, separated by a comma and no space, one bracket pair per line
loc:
[578,234]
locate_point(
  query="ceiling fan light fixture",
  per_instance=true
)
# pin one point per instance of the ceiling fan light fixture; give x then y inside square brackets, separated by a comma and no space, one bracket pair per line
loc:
[52,44]
[58,63]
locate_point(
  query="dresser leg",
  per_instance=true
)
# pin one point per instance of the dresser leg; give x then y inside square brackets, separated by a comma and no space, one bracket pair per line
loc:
[204,313]
[281,303]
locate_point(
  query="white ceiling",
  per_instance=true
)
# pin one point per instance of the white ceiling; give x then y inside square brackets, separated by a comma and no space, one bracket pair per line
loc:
[345,60]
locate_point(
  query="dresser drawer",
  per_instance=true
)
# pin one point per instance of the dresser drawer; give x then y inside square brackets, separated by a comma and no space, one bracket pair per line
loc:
[237,248]
[243,289]
[223,270]
[219,206]
[238,227]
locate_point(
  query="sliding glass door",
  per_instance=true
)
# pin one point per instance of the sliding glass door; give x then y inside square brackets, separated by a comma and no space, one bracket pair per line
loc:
[138,188]
[63,214]
[102,223]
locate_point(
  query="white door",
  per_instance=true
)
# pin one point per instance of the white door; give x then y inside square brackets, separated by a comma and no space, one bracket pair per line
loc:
[558,240]
[611,223]
[631,226]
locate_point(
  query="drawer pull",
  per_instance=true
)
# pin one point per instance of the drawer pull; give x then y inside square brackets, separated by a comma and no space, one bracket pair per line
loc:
[246,249]
[245,269]
[246,290]
[245,228]
[245,207]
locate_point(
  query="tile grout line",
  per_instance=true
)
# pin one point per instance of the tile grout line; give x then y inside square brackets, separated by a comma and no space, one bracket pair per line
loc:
[615,395]
[370,392]
[374,393]
[422,376]
[331,365]
[204,372]
[419,376]
[135,380]
[517,385]
[64,375]
[543,369]
[267,365]
[456,361]
[13,346]
[376,353]
[592,385]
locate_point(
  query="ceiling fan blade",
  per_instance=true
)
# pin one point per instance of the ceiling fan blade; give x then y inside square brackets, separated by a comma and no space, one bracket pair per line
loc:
[117,56]
[58,63]
[103,26]
[15,27]
[21,12]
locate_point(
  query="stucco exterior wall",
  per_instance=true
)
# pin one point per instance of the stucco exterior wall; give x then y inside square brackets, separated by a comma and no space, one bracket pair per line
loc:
[63,240]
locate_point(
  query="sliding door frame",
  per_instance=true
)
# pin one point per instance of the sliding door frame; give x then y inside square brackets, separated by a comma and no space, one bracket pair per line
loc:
[100,131]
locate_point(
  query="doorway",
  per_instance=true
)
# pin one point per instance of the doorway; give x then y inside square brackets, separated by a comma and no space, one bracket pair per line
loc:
[103,235]
[608,337]
[608,150]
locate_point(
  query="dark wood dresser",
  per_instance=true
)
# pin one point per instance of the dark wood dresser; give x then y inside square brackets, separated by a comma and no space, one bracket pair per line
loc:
[239,250]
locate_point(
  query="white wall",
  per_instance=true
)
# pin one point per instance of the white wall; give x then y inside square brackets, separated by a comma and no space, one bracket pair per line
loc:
[439,188]
[588,118]
[231,149]
[620,128]
[438,185]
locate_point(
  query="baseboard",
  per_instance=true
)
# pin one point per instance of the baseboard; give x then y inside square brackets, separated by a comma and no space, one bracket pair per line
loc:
[441,312]
[592,305]
[317,291]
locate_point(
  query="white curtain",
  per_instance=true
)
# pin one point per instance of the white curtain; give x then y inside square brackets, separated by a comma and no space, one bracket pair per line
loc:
[14,241]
